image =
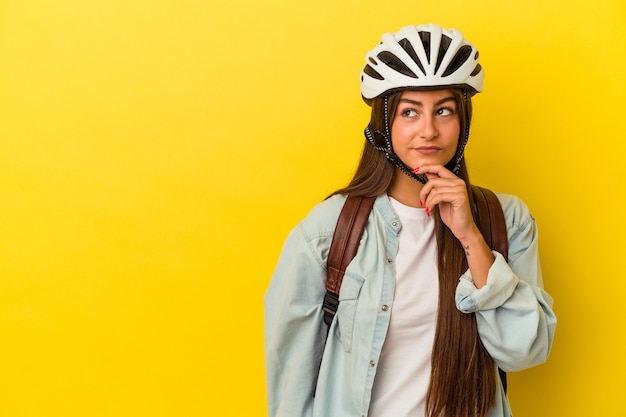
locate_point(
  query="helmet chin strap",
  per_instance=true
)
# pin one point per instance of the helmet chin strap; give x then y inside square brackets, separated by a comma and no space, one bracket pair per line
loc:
[460,152]
[394,159]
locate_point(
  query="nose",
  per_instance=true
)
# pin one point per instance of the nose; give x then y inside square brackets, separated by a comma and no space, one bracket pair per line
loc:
[428,129]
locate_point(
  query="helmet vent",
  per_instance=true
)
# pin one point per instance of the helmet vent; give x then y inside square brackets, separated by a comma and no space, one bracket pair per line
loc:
[476,70]
[425,37]
[459,59]
[396,63]
[443,47]
[370,71]
[408,48]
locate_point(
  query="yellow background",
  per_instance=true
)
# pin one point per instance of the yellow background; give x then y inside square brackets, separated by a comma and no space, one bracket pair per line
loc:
[154,154]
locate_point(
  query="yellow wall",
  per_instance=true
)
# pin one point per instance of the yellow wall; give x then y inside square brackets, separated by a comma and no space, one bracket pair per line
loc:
[154,154]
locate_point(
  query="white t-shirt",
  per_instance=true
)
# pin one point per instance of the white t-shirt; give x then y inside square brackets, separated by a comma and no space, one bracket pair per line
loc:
[403,372]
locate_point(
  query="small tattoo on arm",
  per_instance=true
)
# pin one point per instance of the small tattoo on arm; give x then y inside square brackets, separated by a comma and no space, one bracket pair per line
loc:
[466,249]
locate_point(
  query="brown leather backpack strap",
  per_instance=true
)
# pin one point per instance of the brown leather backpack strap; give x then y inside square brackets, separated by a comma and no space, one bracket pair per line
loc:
[491,220]
[343,248]
[492,225]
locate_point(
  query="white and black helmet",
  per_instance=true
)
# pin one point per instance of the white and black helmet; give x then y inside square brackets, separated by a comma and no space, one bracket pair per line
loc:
[424,56]
[419,57]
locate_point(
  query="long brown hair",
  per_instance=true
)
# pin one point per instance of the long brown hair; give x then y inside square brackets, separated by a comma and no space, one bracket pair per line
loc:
[463,381]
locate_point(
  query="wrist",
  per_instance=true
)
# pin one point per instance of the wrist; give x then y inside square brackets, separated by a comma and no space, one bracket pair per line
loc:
[479,257]
[474,242]
[472,237]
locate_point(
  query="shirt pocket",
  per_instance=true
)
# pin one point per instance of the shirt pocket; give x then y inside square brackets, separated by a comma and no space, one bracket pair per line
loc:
[346,312]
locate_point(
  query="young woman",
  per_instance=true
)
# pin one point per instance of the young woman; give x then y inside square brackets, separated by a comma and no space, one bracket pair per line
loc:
[427,311]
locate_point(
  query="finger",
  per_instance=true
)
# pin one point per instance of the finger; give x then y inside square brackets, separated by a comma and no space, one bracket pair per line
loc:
[442,185]
[437,170]
[451,196]
[439,199]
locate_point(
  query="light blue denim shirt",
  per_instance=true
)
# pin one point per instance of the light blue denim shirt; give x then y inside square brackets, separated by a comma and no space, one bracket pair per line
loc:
[514,314]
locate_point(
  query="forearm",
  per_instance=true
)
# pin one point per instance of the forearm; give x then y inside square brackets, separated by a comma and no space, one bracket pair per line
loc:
[479,257]
[514,314]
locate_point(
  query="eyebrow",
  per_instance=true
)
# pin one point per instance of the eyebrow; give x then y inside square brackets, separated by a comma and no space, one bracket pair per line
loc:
[419,103]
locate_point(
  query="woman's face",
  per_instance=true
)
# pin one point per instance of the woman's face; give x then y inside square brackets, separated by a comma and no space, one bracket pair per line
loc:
[426,127]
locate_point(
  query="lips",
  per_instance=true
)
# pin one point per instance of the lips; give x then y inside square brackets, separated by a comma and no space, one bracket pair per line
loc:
[428,150]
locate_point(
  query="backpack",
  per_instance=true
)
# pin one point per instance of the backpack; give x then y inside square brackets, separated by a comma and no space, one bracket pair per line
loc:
[350,226]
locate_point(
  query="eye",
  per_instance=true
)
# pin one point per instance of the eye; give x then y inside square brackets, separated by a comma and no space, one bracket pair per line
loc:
[445,111]
[408,112]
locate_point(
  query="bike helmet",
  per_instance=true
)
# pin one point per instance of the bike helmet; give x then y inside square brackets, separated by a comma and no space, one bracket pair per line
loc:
[425,56]
[420,57]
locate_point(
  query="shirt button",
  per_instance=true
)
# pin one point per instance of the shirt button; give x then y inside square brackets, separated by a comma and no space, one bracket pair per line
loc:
[389,260]
[394,224]
[385,307]
[372,363]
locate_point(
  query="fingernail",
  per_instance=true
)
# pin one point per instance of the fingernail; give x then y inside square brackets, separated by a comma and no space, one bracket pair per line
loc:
[416,170]
[421,203]
[427,212]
